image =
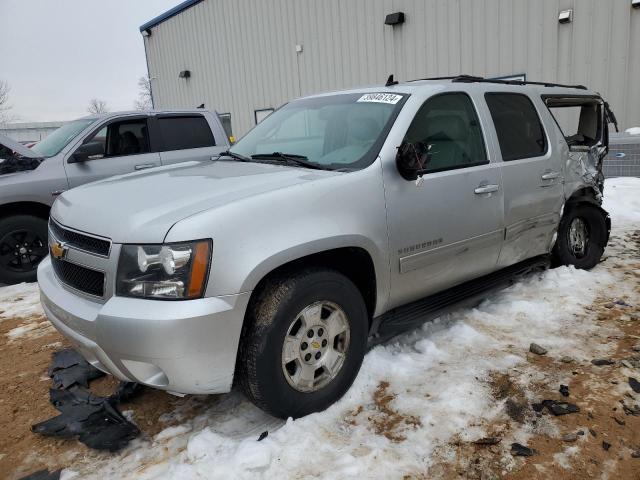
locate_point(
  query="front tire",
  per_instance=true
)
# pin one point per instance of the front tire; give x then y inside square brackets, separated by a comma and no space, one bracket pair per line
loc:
[305,343]
[23,245]
[582,237]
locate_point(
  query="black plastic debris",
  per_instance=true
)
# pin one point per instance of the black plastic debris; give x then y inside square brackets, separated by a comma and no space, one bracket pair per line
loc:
[518,450]
[95,420]
[599,362]
[606,445]
[555,407]
[43,475]
[68,367]
[634,384]
[564,390]
[263,435]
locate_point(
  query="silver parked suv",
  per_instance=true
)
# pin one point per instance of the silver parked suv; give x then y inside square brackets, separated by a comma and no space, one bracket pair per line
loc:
[339,221]
[81,151]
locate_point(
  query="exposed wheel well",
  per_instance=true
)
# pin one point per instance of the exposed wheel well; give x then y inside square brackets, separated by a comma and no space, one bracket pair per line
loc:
[25,208]
[353,262]
[589,195]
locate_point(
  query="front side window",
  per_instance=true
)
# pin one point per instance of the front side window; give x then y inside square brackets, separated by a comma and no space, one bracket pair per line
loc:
[519,130]
[343,131]
[447,128]
[183,133]
[119,139]
[53,143]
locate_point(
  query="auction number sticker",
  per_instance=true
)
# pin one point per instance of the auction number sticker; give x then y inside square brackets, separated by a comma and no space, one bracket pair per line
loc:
[391,98]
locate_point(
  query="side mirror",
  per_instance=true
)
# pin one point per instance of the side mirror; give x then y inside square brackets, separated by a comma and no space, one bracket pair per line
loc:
[411,159]
[88,151]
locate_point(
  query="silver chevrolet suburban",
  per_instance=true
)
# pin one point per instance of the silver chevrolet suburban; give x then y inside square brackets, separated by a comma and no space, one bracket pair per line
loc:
[81,151]
[338,222]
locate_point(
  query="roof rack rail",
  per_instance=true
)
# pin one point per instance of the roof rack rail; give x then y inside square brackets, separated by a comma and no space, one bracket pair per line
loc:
[473,79]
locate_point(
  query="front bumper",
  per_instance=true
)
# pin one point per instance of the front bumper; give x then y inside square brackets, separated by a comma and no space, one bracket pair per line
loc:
[187,346]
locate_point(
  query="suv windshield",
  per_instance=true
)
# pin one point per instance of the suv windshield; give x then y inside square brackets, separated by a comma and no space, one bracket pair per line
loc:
[342,131]
[53,143]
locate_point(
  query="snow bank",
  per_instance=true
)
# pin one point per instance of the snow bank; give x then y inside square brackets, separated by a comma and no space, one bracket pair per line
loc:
[22,300]
[633,131]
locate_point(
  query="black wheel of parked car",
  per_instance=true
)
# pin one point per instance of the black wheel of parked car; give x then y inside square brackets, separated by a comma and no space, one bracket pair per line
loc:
[305,343]
[582,236]
[23,245]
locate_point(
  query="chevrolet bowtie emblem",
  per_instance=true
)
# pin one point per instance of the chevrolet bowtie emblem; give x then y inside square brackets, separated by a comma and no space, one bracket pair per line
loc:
[58,250]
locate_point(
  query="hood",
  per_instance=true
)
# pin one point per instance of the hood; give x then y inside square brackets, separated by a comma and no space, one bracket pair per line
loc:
[15,157]
[143,206]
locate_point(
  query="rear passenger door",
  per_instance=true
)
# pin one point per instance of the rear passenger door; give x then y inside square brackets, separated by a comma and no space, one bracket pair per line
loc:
[532,176]
[446,228]
[124,146]
[184,137]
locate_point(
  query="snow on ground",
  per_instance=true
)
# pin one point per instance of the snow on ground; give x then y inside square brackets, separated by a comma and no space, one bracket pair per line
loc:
[633,131]
[412,397]
[22,300]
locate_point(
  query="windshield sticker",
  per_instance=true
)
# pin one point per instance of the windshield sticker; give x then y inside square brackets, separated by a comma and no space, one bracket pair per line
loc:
[390,98]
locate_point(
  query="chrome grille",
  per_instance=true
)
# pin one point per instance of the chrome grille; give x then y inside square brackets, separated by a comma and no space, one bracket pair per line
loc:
[78,277]
[80,241]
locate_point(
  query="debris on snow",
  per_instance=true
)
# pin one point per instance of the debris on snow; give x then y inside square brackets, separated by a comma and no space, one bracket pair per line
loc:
[518,450]
[555,407]
[564,390]
[537,349]
[599,362]
[634,384]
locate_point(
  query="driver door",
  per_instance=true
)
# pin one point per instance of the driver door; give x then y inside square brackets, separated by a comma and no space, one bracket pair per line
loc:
[125,148]
[448,227]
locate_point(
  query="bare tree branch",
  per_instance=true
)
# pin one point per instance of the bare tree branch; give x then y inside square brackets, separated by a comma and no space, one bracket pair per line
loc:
[5,116]
[97,106]
[144,101]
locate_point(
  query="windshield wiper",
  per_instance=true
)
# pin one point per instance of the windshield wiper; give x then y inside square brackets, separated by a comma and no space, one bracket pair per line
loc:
[290,157]
[236,156]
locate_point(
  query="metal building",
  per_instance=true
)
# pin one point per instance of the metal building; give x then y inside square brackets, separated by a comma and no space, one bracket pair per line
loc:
[29,132]
[247,57]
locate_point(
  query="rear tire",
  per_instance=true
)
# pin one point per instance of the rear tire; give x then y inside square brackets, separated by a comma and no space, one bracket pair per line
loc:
[582,237]
[23,245]
[305,342]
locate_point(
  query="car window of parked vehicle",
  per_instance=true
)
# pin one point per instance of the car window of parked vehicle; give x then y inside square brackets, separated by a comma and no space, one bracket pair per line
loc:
[343,131]
[129,137]
[520,132]
[181,133]
[53,143]
[447,127]
[580,121]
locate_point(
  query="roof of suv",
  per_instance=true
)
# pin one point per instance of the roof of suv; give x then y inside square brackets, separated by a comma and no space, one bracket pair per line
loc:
[467,83]
[144,112]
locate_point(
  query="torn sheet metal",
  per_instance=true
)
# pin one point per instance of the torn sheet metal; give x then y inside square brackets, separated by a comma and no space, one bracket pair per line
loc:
[588,165]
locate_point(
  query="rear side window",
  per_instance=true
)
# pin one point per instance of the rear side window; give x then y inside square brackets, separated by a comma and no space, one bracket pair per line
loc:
[518,126]
[181,133]
[447,127]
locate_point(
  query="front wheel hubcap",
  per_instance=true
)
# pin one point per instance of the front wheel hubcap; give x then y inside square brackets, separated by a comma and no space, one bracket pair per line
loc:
[578,237]
[315,346]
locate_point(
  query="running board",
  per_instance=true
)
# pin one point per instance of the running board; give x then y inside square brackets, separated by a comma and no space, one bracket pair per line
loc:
[465,295]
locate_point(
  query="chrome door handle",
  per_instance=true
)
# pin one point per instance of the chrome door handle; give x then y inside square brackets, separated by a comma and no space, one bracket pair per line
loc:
[550,175]
[142,166]
[486,189]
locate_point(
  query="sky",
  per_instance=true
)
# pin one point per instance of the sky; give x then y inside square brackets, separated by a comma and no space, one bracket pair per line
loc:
[57,55]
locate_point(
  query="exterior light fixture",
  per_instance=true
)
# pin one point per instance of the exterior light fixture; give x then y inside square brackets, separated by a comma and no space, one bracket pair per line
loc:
[565,16]
[184,74]
[396,18]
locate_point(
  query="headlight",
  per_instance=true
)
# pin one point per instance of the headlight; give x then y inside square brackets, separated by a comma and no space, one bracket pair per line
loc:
[174,271]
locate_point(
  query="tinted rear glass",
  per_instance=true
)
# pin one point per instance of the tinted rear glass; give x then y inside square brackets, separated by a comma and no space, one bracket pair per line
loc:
[180,133]
[518,126]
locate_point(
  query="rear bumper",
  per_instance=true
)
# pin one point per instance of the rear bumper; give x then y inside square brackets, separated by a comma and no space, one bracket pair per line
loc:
[183,346]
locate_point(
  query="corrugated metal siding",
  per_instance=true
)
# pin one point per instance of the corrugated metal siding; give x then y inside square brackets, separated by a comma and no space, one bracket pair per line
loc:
[241,53]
